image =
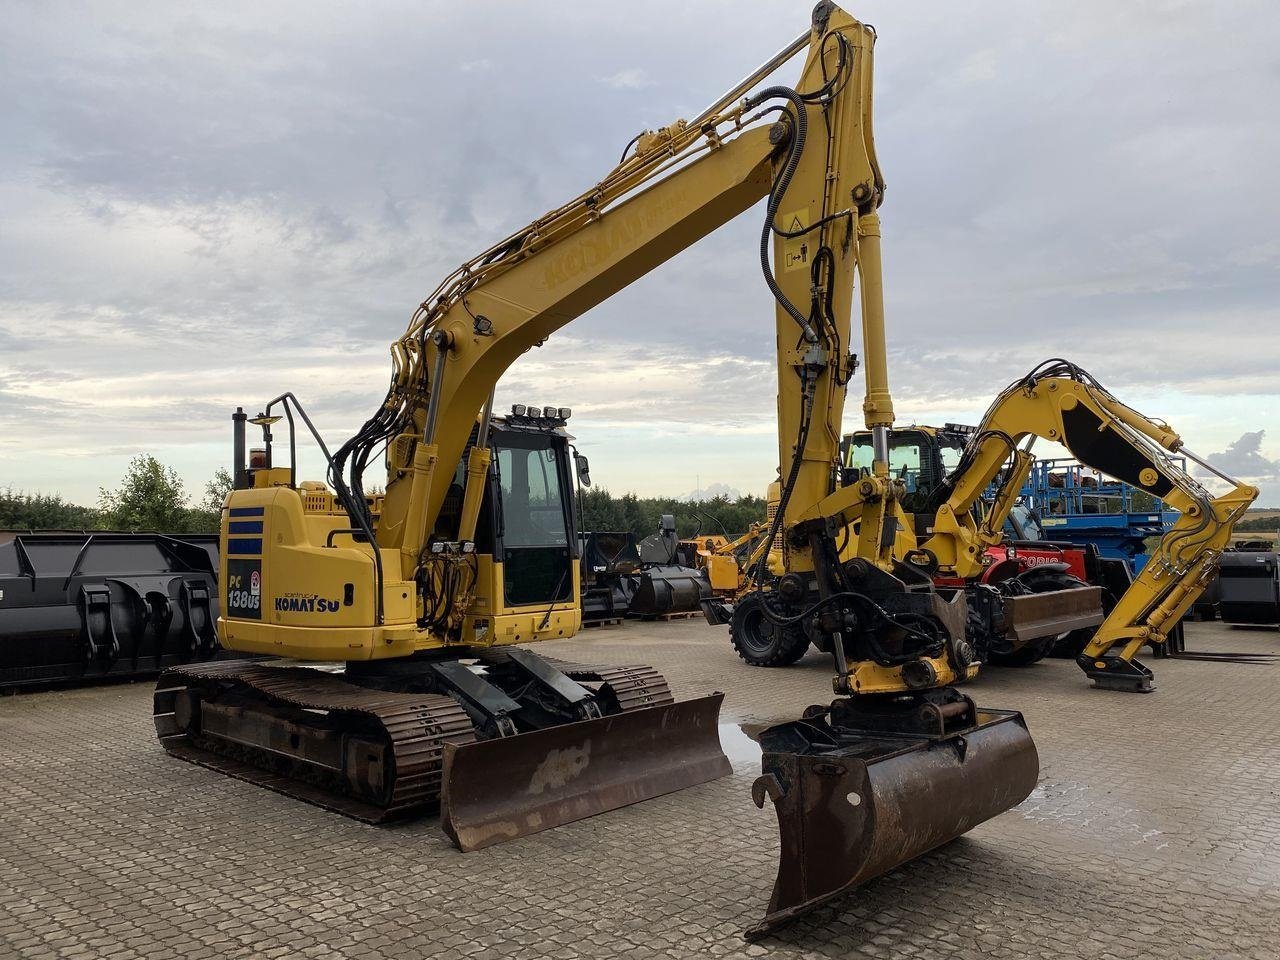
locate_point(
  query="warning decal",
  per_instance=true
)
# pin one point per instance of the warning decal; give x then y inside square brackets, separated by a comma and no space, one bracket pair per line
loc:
[796,251]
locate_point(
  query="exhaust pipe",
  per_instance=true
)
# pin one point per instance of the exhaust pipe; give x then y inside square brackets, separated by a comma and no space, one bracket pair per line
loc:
[239,475]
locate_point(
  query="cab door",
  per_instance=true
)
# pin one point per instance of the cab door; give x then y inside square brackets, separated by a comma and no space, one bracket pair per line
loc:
[536,540]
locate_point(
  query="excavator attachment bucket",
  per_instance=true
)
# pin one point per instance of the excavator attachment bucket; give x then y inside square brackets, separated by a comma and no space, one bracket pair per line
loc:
[853,805]
[508,787]
[1036,615]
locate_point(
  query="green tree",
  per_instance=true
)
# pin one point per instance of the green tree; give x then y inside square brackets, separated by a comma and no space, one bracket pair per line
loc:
[600,510]
[150,497]
[39,511]
[206,516]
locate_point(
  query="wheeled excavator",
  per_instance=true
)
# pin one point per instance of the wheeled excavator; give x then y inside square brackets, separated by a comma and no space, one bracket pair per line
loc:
[952,517]
[415,606]
[959,516]
[1020,599]
[1023,596]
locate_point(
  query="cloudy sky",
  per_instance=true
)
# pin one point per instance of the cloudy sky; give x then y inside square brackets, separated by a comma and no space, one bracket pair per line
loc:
[202,205]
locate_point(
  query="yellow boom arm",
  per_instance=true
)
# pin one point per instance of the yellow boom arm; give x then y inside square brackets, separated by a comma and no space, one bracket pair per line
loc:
[1060,402]
[807,149]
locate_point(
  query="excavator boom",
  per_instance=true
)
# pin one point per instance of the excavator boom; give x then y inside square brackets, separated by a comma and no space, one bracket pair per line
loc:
[427,593]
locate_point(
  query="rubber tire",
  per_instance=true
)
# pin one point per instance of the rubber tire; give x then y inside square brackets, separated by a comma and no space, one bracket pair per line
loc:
[1033,652]
[1038,649]
[760,642]
[1071,645]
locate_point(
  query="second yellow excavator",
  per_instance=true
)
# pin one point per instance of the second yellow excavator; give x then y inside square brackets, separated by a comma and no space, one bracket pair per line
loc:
[421,600]
[960,484]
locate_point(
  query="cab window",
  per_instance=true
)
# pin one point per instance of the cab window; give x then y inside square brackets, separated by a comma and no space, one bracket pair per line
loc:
[532,498]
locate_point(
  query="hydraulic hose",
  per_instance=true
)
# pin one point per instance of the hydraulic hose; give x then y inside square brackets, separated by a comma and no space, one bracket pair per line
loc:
[778,191]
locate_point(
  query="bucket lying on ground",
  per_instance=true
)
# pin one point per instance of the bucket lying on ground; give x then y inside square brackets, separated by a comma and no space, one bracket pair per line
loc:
[81,606]
[854,805]
[669,588]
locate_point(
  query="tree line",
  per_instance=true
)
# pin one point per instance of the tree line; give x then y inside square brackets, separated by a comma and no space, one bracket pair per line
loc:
[599,510]
[1268,521]
[151,497]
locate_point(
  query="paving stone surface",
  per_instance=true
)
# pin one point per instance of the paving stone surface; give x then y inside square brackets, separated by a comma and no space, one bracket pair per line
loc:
[1154,832]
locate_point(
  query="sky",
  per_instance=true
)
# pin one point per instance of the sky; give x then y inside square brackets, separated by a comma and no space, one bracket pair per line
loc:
[205,205]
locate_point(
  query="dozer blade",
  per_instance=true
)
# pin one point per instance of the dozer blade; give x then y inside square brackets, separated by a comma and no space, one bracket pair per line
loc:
[855,805]
[509,787]
[1036,615]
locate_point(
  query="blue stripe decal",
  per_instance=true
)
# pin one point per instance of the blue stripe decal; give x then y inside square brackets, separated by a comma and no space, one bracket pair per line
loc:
[244,526]
[248,511]
[252,547]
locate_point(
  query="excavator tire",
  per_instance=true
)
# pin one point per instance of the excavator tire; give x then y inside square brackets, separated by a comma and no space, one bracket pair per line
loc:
[1036,650]
[760,641]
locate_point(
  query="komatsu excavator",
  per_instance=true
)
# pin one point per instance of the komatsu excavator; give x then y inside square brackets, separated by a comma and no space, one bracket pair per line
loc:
[424,596]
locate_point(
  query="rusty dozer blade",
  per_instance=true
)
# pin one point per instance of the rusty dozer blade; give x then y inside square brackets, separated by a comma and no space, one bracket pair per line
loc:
[1036,615]
[508,787]
[853,804]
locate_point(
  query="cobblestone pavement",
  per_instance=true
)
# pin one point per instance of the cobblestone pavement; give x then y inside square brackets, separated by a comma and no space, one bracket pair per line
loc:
[1154,832]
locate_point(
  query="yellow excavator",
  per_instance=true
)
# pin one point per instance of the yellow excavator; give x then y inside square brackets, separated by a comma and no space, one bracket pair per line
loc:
[958,515]
[413,607]
[960,484]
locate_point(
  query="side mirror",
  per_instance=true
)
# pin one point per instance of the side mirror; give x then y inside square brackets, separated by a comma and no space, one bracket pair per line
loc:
[583,467]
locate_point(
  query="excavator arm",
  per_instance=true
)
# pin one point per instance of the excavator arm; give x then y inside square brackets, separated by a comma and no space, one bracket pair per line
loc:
[807,149]
[1058,401]
[397,586]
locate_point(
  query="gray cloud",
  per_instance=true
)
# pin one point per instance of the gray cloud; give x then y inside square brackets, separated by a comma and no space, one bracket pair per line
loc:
[206,206]
[1244,459]
[632,78]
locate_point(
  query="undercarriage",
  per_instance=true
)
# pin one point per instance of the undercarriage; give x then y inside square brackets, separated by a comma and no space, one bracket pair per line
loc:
[378,741]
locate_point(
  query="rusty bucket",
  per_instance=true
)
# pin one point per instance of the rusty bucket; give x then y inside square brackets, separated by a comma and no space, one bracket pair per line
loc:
[508,787]
[854,805]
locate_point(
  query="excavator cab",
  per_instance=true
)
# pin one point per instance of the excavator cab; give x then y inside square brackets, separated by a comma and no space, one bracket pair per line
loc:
[526,537]
[920,457]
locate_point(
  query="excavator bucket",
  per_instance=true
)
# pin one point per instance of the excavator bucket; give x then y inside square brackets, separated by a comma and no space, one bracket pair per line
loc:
[853,805]
[1036,615]
[508,787]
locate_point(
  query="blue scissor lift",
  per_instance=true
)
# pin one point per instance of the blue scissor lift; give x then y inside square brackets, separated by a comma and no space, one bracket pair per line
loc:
[1079,505]
[1076,504]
